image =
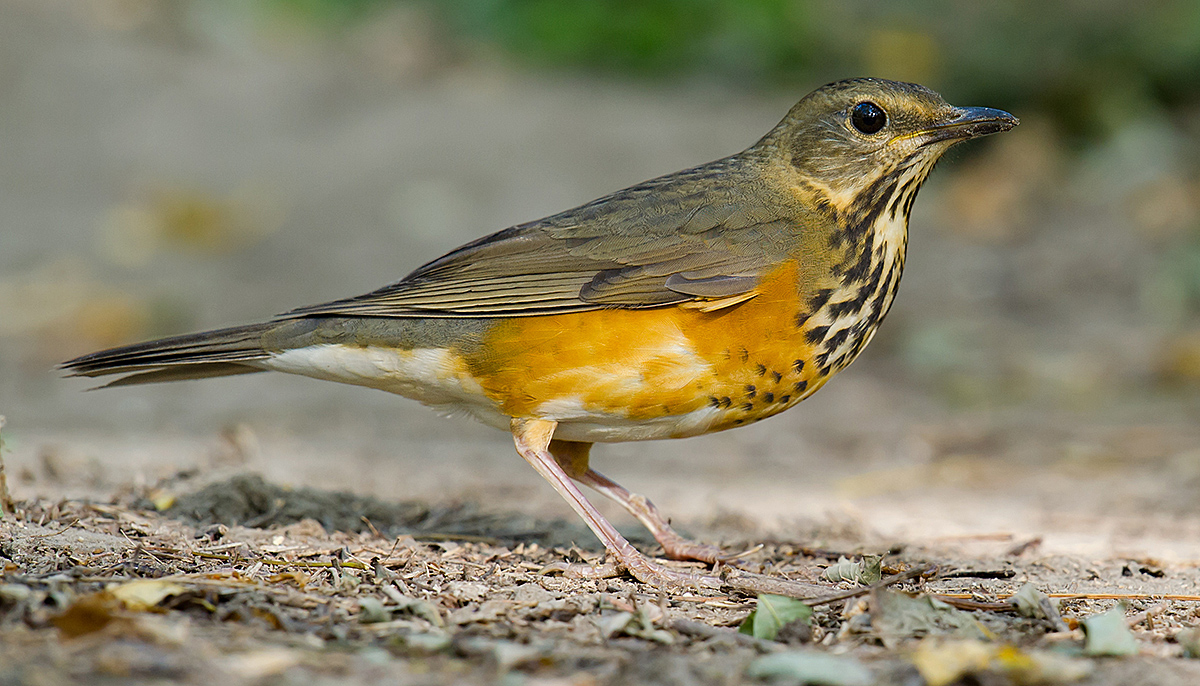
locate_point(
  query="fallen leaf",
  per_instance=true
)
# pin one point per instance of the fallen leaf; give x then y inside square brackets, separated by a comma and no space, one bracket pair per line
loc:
[372,611]
[943,662]
[771,614]
[1108,634]
[142,595]
[88,614]
[896,615]
[865,572]
[431,642]
[1037,605]
[300,579]
[419,608]
[1190,640]
[261,664]
[811,667]
[639,624]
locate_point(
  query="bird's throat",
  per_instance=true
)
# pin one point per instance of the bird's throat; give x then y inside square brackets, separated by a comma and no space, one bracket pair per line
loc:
[868,246]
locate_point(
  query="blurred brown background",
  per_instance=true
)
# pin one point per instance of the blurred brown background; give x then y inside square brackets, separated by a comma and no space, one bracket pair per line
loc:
[172,165]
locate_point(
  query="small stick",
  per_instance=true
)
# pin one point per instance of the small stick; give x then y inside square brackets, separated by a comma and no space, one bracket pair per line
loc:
[914,573]
[7,505]
[1089,596]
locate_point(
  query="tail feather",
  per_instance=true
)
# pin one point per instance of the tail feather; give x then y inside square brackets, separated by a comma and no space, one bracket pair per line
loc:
[209,353]
[200,370]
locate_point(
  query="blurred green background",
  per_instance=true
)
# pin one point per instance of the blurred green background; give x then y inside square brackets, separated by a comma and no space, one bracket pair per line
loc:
[1091,66]
[176,164]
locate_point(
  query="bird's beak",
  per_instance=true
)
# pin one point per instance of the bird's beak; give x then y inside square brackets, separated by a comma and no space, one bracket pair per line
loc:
[970,122]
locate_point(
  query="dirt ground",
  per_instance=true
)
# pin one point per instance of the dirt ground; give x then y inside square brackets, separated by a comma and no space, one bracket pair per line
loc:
[122,569]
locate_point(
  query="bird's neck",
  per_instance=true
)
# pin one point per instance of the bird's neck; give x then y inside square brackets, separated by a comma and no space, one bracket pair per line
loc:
[866,245]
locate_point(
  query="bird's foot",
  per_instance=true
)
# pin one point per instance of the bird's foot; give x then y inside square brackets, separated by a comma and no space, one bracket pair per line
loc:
[676,547]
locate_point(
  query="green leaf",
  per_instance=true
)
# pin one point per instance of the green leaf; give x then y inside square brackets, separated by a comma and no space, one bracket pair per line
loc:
[771,614]
[1108,634]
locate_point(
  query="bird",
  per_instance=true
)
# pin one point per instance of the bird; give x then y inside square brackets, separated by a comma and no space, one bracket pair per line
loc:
[695,302]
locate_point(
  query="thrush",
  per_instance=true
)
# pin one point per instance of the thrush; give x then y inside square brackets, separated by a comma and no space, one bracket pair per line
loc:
[695,302]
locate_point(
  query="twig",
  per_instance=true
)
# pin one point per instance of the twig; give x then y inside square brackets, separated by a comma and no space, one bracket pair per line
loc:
[1088,596]
[972,604]
[914,573]
[371,526]
[754,584]
[63,530]
[979,574]
[7,505]
[811,594]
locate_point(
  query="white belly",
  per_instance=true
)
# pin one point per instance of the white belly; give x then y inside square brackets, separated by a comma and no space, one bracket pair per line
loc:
[439,378]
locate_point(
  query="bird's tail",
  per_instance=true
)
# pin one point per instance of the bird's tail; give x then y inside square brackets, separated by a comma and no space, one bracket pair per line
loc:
[222,352]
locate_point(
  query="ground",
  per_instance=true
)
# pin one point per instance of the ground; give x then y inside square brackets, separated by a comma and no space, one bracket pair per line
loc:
[134,571]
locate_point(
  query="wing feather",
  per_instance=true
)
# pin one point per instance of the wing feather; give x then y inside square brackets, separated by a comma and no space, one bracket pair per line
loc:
[701,234]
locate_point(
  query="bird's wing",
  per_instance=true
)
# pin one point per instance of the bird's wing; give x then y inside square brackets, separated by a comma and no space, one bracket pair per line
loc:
[696,235]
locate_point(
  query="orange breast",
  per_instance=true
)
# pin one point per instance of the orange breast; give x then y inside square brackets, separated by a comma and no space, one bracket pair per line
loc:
[745,361]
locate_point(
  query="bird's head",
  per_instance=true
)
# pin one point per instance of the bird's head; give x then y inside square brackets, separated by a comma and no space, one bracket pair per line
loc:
[843,139]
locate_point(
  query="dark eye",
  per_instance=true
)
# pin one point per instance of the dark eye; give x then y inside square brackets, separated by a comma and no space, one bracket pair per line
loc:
[868,117]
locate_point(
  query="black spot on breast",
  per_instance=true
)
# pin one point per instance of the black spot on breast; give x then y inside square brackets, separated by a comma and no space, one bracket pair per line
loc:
[846,307]
[747,406]
[908,204]
[906,192]
[744,354]
[800,386]
[784,398]
[872,283]
[855,270]
[751,391]
[726,401]
[714,401]
[761,369]
[818,300]
[798,365]
[769,397]
[838,338]
[816,334]
[777,376]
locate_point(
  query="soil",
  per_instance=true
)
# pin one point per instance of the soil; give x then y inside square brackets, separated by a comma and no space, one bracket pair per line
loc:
[212,570]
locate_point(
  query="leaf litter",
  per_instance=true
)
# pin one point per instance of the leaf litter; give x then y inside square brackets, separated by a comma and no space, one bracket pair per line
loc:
[253,582]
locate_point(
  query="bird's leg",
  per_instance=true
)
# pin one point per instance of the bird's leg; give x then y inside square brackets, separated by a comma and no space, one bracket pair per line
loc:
[532,438]
[572,456]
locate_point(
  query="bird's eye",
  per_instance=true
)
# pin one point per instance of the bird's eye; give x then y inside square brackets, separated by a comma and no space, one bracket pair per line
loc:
[868,117]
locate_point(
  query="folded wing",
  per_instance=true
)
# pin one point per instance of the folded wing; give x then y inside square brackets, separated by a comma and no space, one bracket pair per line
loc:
[691,236]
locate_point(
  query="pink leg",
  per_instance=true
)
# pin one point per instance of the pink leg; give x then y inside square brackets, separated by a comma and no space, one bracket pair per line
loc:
[572,456]
[532,438]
